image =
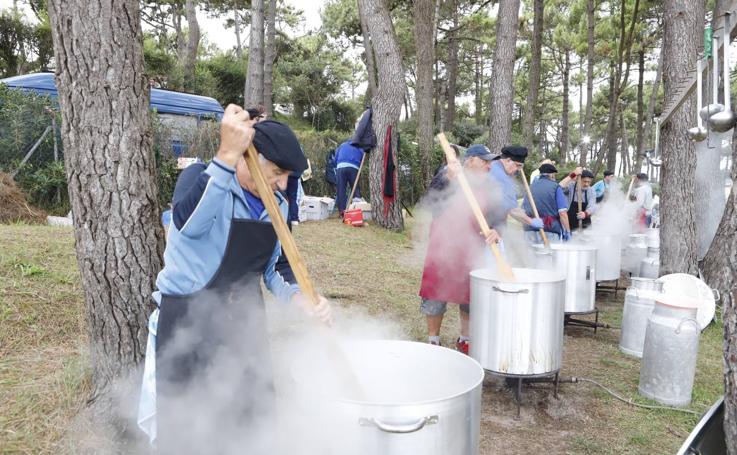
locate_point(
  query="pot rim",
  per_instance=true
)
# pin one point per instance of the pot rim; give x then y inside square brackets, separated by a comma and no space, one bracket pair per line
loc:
[476,384]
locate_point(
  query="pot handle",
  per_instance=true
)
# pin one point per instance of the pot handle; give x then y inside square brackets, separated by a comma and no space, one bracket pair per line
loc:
[519,291]
[717,295]
[588,272]
[400,429]
[684,320]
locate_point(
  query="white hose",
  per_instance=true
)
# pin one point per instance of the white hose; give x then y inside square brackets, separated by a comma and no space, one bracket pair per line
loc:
[630,402]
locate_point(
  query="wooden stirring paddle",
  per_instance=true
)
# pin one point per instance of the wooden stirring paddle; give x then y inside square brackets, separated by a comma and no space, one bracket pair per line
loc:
[534,206]
[504,269]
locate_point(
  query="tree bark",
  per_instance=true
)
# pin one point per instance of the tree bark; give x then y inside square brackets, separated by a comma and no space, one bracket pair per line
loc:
[237,27]
[110,167]
[193,43]
[502,79]
[269,55]
[424,12]
[720,272]
[253,94]
[369,51]
[450,111]
[682,30]
[565,136]
[590,54]
[387,105]
[479,84]
[530,109]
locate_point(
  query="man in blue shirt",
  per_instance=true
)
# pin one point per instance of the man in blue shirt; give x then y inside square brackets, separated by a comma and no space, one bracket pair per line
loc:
[502,171]
[348,160]
[551,204]
[580,219]
[207,362]
[601,188]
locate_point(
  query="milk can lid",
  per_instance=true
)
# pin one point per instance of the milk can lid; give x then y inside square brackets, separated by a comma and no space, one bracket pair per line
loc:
[676,301]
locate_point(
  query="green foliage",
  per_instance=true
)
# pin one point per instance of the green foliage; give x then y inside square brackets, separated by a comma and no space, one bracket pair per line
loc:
[20,40]
[46,186]
[467,132]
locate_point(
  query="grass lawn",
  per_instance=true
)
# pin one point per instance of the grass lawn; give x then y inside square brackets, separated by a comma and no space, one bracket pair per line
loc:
[43,375]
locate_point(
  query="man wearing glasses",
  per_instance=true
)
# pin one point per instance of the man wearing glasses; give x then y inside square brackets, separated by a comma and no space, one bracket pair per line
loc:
[502,174]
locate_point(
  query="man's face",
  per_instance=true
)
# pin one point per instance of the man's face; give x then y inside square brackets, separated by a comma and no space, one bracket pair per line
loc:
[608,178]
[477,165]
[511,167]
[586,182]
[275,176]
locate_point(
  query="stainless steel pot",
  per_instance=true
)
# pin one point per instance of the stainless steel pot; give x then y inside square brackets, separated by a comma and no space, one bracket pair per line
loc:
[578,263]
[608,257]
[416,398]
[639,301]
[517,327]
[670,354]
[636,251]
[652,237]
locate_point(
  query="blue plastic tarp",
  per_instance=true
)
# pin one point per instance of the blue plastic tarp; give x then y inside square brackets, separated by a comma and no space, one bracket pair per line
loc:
[164,101]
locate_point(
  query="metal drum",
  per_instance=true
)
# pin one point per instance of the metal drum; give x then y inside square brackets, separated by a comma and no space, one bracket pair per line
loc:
[670,353]
[578,262]
[636,251]
[639,301]
[650,266]
[608,257]
[413,398]
[652,237]
[517,327]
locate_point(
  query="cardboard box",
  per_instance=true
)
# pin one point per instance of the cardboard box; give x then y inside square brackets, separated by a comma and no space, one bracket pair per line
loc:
[315,208]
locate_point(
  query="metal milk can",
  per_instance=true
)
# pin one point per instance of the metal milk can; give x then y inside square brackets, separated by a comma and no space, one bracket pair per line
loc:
[650,266]
[636,251]
[670,353]
[639,301]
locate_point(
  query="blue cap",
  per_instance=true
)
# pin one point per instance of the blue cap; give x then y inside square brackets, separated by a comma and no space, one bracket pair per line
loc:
[481,151]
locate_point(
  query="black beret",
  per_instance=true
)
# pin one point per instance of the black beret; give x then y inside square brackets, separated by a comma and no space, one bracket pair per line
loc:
[587,173]
[608,173]
[516,153]
[278,144]
[642,176]
[548,168]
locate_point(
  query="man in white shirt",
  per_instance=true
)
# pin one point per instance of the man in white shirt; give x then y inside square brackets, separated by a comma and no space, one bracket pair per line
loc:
[643,197]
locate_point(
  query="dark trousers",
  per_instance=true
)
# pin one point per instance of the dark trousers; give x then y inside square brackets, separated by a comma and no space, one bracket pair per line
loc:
[346,177]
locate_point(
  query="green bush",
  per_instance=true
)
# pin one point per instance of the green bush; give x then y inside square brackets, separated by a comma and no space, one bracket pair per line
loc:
[46,186]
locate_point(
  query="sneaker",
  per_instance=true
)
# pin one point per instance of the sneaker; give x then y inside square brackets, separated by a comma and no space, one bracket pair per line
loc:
[462,346]
[435,343]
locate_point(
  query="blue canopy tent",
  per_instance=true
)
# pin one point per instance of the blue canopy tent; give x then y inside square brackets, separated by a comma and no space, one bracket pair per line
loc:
[162,101]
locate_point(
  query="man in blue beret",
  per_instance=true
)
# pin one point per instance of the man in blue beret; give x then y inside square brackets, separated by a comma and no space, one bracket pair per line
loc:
[207,368]
[502,173]
[551,204]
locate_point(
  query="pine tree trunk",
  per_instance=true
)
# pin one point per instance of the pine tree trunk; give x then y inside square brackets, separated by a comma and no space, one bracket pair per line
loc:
[478,85]
[254,91]
[565,136]
[237,27]
[530,109]
[424,12]
[591,18]
[639,134]
[502,79]
[269,55]
[193,43]
[720,271]
[369,51]
[450,111]
[387,105]
[106,132]
[682,30]
[651,110]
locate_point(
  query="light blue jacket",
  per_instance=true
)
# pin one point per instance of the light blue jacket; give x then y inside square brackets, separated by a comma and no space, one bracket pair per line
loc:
[195,247]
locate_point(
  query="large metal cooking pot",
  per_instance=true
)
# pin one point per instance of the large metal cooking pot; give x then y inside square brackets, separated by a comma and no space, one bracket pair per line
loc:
[517,327]
[415,398]
[639,301]
[608,257]
[578,263]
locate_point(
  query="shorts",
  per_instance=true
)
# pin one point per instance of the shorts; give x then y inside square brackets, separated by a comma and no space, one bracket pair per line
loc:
[437,308]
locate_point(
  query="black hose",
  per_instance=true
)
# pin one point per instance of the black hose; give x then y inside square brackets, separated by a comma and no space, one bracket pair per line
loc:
[574,379]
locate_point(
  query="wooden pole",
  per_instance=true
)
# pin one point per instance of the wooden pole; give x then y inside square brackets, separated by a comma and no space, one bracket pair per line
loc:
[280,226]
[30,152]
[534,206]
[504,269]
[355,184]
